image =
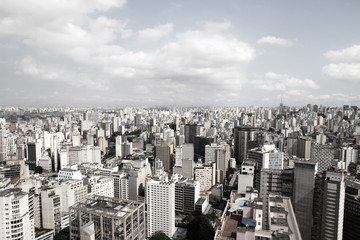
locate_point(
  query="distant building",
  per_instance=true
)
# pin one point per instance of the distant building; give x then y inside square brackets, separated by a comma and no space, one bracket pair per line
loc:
[245,138]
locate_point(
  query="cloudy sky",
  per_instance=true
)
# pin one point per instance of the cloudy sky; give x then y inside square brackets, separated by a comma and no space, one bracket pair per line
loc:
[189,53]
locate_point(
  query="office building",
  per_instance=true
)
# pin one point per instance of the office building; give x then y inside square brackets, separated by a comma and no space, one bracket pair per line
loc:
[245,138]
[351,228]
[329,196]
[33,154]
[303,196]
[165,154]
[187,192]
[191,131]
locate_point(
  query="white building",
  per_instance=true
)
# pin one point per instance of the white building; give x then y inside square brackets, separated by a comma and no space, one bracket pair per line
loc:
[51,208]
[205,174]
[118,146]
[102,186]
[69,173]
[160,199]
[45,163]
[72,191]
[14,215]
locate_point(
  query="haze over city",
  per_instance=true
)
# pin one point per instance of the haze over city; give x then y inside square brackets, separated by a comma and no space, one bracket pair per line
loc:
[187,53]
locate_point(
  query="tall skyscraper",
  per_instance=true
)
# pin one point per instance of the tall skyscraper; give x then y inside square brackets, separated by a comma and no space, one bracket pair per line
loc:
[160,199]
[191,131]
[352,209]
[33,154]
[245,138]
[330,201]
[303,196]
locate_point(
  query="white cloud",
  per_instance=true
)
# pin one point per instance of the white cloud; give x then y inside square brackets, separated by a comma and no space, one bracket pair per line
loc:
[195,58]
[345,71]
[28,66]
[216,27]
[348,54]
[274,41]
[285,83]
[201,66]
[156,32]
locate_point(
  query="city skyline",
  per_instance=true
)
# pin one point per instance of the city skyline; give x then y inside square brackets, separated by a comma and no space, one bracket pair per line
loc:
[179,53]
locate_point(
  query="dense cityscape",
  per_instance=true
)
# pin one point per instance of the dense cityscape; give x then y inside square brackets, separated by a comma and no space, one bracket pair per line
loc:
[183,173]
[179,120]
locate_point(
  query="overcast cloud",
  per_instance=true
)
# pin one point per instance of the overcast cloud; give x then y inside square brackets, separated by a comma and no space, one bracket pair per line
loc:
[235,53]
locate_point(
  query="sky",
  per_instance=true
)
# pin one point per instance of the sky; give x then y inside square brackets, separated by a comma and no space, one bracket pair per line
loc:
[182,53]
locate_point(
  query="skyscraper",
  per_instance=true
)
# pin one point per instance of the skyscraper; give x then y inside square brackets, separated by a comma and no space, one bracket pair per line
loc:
[33,154]
[303,196]
[352,209]
[245,138]
[329,211]
[160,199]
[165,154]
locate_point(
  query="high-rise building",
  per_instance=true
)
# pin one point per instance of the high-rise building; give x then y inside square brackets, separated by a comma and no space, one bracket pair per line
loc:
[348,155]
[245,138]
[118,145]
[14,215]
[205,173]
[138,120]
[165,154]
[322,155]
[51,208]
[33,154]
[112,218]
[160,199]
[352,209]
[2,143]
[191,131]
[303,196]
[199,146]
[187,192]
[329,206]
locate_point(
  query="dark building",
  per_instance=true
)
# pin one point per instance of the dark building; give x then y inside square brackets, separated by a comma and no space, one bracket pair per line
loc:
[245,138]
[185,194]
[199,146]
[303,196]
[191,131]
[33,154]
[352,210]
[10,171]
[164,153]
[328,210]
